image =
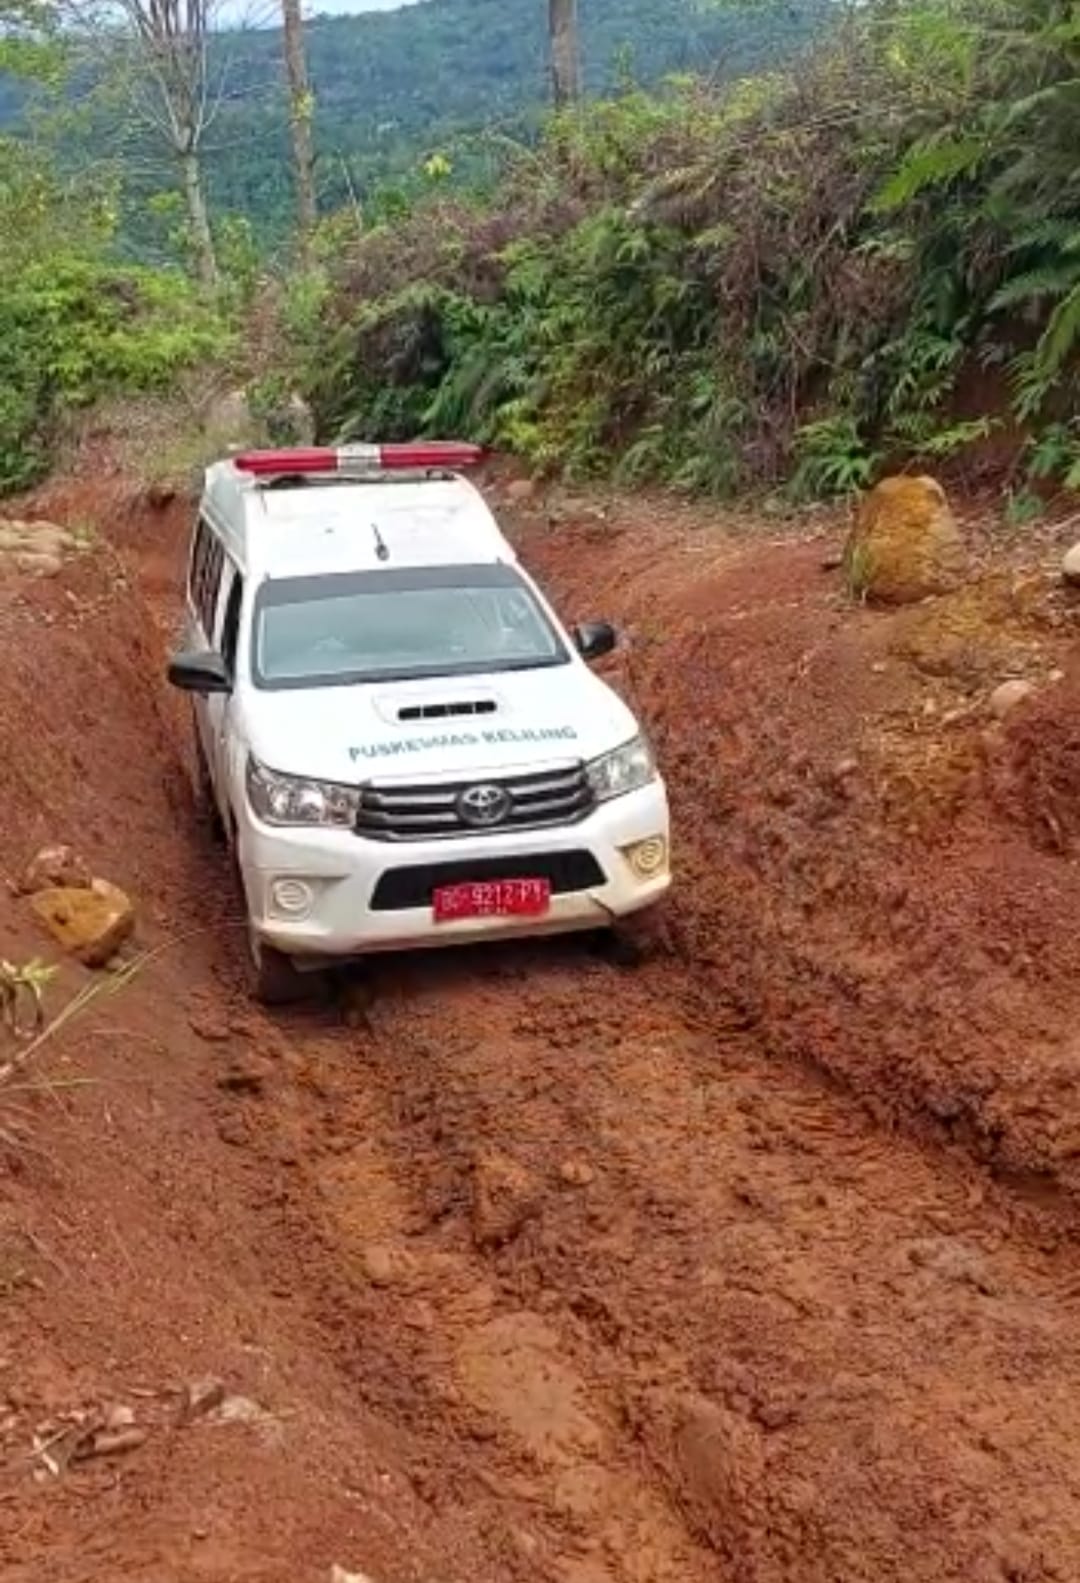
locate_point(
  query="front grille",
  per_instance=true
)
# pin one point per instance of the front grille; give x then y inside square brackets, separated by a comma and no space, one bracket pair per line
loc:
[481,706]
[401,888]
[423,812]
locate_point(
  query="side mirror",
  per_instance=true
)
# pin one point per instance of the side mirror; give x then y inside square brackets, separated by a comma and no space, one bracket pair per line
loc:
[592,639]
[200,673]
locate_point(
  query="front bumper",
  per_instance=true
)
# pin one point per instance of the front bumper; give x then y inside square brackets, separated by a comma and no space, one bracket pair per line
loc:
[355,884]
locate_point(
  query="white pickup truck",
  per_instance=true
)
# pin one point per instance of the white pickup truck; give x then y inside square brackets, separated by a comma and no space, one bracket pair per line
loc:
[403,744]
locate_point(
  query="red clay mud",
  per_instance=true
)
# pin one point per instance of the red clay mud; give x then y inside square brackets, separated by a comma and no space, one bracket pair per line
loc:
[751,1265]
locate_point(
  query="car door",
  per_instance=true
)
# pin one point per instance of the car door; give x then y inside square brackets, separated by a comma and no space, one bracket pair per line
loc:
[204,589]
[219,706]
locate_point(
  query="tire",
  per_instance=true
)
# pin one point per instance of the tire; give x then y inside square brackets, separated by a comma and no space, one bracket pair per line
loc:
[204,792]
[275,981]
[618,946]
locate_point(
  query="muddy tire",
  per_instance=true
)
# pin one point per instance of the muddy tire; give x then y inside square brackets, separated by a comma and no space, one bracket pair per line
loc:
[274,979]
[205,801]
[620,946]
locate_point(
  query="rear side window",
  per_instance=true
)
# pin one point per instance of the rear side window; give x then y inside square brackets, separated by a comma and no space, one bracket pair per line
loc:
[230,626]
[207,561]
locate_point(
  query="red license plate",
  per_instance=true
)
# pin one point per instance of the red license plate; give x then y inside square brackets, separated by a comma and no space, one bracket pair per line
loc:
[495,898]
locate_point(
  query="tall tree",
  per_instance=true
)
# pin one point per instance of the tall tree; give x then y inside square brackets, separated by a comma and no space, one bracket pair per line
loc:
[163,48]
[301,107]
[565,52]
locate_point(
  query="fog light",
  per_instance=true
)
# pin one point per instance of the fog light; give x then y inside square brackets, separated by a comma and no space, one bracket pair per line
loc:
[647,858]
[291,898]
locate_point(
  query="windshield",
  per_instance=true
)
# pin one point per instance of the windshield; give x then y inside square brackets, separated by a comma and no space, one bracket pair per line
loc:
[393,625]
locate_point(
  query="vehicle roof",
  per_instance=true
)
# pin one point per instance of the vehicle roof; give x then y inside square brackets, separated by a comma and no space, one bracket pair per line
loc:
[321,527]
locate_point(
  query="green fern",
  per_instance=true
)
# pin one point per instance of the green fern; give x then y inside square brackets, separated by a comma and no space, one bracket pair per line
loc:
[932,162]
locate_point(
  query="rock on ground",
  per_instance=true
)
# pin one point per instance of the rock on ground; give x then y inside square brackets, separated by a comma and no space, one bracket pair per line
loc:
[52,868]
[504,1198]
[36,549]
[905,543]
[90,924]
[1004,699]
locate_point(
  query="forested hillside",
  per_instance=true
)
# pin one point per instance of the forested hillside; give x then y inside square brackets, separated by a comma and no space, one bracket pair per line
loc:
[391,88]
[787,280]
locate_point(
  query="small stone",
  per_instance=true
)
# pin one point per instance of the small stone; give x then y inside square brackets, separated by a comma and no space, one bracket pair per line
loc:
[240,1410]
[576,1173]
[38,563]
[520,491]
[119,1417]
[1004,699]
[91,924]
[339,1575]
[108,1443]
[505,1199]
[210,1026]
[55,867]
[832,560]
[201,1397]
[1070,566]
[956,1261]
[1056,676]
[384,1266]
[38,538]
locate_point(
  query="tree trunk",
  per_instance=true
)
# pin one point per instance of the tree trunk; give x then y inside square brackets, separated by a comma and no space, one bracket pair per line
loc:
[565,52]
[301,105]
[202,241]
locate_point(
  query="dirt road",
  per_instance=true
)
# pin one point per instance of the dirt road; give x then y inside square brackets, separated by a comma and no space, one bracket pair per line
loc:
[753,1264]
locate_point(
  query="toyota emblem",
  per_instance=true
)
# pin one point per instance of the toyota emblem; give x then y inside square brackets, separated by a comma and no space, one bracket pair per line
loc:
[482,806]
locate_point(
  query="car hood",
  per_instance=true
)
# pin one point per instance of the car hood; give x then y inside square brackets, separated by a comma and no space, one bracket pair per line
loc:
[454,727]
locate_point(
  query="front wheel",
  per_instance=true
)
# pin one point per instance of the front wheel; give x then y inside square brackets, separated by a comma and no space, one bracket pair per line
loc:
[619,946]
[275,980]
[206,800]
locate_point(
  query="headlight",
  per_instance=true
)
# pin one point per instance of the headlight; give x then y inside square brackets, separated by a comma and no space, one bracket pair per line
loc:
[289,800]
[627,769]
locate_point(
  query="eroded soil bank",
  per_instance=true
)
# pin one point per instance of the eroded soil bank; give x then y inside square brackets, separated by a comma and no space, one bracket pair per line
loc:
[754,1263]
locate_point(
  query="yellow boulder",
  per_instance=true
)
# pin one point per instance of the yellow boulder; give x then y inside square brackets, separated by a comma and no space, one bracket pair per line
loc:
[905,543]
[92,924]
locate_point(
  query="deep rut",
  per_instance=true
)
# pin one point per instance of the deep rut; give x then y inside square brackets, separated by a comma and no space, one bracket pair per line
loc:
[682,1314]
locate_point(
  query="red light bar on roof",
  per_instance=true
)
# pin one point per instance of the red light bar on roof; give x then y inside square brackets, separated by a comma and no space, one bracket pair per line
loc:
[355,460]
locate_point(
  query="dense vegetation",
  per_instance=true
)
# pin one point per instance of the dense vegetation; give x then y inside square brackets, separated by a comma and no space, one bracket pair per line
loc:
[76,325]
[793,280]
[96,300]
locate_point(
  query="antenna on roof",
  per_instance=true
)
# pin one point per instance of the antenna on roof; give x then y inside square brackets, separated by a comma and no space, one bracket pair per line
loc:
[380,544]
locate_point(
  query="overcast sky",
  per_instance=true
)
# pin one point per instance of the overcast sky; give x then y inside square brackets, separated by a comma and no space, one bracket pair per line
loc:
[267,13]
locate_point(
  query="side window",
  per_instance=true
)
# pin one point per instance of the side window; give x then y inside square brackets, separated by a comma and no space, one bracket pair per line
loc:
[230,625]
[198,560]
[206,594]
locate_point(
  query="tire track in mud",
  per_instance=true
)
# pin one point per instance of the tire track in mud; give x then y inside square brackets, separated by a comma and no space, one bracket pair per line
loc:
[669,1309]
